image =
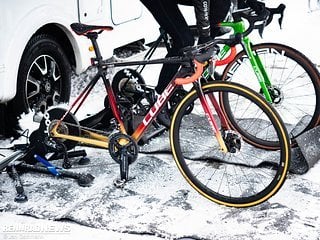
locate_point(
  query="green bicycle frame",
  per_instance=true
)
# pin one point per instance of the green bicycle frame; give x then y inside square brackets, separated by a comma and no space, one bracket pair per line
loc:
[257,66]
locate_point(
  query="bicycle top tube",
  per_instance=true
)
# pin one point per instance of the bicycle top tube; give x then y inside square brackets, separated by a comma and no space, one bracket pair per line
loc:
[193,56]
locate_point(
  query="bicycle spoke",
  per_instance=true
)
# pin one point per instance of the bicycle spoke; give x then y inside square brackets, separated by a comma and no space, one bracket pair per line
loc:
[294,81]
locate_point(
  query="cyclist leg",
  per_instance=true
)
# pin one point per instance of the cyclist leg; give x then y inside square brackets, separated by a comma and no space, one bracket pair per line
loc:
[170,18]
[218,12]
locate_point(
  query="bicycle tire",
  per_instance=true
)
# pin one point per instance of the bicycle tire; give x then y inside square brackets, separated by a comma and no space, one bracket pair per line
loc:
[294,76]
[242,179]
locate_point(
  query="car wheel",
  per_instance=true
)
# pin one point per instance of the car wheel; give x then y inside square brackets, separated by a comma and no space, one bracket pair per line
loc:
[43,77]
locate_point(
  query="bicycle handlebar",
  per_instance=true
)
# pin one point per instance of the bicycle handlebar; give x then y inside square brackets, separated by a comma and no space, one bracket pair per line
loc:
[232,55]
[202,53]
[205,51]
[259,17]
[194,77]
[256,20]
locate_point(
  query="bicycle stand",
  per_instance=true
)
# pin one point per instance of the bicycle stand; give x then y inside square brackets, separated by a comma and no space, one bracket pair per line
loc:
[21,196]
[17,163]
[155,133]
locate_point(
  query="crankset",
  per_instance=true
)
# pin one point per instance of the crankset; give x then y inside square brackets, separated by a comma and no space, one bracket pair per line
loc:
[122,144]
[124,150]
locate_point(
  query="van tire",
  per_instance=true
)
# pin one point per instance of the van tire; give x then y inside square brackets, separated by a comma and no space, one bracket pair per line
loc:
[43,77]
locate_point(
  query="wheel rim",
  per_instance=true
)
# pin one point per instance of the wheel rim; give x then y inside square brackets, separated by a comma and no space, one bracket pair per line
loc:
[43,83]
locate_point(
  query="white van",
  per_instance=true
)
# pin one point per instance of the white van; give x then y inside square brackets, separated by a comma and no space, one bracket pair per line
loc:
[38,49]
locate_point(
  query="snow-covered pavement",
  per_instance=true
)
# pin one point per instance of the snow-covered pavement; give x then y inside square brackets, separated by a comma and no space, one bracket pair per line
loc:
[158,203]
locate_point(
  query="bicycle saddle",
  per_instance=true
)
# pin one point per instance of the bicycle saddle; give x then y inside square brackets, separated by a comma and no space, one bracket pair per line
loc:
[82,29]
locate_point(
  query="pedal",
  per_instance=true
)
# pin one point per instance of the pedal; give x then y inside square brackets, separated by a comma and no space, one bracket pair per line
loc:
[119,183]
[20,198]
[84,161]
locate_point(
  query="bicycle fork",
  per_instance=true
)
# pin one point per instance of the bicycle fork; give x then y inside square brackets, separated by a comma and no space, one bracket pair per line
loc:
[210,116]
[255,61]
[258,69]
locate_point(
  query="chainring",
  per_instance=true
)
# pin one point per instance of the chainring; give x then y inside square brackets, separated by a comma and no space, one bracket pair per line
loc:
[120,144]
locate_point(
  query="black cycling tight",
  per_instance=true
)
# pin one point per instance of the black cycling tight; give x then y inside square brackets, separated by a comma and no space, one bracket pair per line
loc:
[170,18]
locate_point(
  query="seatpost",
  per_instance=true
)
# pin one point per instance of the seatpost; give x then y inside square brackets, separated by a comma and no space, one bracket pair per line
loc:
[93,38]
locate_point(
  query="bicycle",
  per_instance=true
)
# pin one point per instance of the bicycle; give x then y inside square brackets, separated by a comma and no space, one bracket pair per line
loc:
[286,78]
[238,182]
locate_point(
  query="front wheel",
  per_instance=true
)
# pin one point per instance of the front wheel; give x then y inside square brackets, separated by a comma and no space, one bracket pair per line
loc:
[245,175]
[295,84]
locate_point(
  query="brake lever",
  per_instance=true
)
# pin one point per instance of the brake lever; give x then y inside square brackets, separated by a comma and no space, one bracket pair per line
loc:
[260,29]
[279,10]
[262,19]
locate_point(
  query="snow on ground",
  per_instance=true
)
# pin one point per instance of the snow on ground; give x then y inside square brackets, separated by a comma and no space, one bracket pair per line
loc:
[293,213]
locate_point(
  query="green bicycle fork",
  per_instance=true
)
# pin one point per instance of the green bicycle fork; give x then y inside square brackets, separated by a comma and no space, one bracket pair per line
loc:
[255,61]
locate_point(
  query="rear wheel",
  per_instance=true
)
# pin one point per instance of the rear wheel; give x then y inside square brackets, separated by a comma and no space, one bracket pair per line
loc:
[245,175]
[69,126]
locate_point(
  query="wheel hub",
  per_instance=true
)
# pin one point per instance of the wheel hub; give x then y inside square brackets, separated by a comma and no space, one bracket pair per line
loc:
[232,141]
[47,86]
[276,95]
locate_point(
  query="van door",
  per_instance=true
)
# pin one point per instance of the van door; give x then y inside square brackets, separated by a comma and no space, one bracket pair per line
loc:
[125,10]
[108,11]
[93,11]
